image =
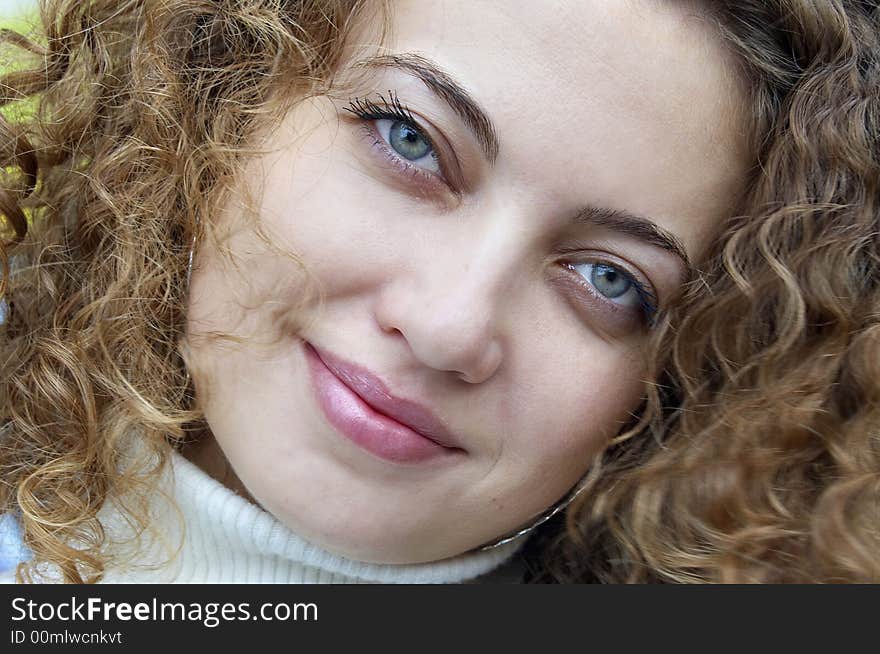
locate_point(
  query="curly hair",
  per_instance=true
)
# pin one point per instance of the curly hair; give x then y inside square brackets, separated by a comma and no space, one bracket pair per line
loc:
[756,453]
[145,111]
[756,457]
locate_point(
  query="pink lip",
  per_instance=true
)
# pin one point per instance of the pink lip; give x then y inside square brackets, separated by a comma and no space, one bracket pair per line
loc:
[358,404]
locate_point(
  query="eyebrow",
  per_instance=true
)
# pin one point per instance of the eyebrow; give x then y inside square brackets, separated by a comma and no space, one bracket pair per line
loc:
[448,90]
[644,229]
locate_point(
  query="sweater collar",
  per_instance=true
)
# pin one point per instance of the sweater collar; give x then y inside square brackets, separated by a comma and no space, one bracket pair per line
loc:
[227,539]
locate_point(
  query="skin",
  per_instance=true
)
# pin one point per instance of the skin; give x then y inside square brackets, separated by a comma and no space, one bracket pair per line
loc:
[459,297]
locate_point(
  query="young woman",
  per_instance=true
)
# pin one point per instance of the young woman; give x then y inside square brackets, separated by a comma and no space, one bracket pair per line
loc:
[350,291]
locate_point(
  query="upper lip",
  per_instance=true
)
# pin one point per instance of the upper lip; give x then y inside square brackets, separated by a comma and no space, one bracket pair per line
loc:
[372,390]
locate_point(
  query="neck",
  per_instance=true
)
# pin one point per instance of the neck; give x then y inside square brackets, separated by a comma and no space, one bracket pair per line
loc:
[205,453]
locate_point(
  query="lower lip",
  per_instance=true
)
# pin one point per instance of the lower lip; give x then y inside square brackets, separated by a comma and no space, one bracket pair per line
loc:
[360,423]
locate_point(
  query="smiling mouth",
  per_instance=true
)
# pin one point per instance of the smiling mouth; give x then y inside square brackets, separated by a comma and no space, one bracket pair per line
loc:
[357,404]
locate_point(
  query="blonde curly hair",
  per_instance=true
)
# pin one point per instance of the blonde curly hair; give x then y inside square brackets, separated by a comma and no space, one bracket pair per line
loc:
[756,457]
[756,454]
[145,111]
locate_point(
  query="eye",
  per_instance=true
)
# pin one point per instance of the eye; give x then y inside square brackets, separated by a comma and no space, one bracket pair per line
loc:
[609,281]
[404,143]
[408,141]
[617,285]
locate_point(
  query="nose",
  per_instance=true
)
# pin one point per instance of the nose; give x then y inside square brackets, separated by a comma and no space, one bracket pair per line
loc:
[449,321]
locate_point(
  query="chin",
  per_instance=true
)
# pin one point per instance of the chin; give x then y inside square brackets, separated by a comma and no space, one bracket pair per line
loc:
[376,542]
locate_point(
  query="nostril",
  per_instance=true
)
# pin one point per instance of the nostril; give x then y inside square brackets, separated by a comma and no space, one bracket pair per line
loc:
[482,366]
[396,332]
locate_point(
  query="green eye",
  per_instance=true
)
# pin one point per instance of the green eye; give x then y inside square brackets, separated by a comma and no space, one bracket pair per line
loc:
[407,141]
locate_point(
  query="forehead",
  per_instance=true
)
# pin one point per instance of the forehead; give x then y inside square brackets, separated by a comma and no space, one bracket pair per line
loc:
[630,99]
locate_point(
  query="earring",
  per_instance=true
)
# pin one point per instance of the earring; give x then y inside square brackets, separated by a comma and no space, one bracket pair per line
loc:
[539,520]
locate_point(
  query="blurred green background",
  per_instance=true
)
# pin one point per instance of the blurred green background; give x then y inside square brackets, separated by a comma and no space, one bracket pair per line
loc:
[21,16]
[17,13]
[15,8]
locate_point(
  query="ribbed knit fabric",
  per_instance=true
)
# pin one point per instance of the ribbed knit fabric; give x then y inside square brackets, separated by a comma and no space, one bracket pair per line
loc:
[227,539]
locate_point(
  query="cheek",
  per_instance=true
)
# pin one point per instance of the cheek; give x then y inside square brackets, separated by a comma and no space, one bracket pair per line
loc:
[346,227]
[239,296]
[576,406]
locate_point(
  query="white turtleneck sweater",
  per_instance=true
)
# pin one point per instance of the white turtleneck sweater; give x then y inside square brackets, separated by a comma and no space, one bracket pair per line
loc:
[224,538]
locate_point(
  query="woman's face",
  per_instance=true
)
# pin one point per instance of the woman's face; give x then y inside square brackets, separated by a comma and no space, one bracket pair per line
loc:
[492,211]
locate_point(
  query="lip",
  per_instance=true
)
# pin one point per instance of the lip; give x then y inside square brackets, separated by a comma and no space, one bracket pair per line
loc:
[359,405]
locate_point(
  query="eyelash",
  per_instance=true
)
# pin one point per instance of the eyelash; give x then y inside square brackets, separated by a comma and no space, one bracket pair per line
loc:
[392,109]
